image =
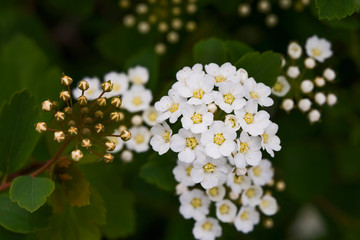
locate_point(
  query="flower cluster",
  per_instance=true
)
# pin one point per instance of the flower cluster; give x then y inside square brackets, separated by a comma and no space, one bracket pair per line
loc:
[266,7]
[136,99]
[88,123]
[219,146]
[303,81]
[167,17]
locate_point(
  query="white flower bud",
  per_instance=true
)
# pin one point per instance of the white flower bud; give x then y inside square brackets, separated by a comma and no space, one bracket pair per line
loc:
[287,104]
[160,48]
[176,23]
[309,63]
[294,50]
[307,86]
[320,82]
[264,6]
[163,27]
[320,98]
[314,115]
[141,8]
[331,99]
[190,26]
[293,71]
[329,74]
[172,37]
[47,105]
[233,196]
[212,107]
[127,156]
[136,120]
[243,75]
[271,20]
[180,189]
[285,4]
[76,155]
[244,10]
[143,27]
[304,105]
[129,20]
[283,62]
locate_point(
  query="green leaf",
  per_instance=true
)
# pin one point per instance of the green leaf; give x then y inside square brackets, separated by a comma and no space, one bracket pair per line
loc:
[264,67]
[5,234]
[31,193]
[237,49]
[80,223]
[17,133]
[211,50]
[77,190]
[336,9]
[158,171]
[24,65]
[17,219]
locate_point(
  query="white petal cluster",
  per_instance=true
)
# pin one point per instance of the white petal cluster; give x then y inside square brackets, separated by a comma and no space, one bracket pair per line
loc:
[220,143]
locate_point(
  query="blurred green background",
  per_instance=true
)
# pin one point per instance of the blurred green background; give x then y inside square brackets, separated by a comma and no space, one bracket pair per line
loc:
[320,163]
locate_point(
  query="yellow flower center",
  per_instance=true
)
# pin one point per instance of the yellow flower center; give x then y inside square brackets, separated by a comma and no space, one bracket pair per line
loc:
[139,138]
[278,87]
[266,137]
[257,171]
[244,216]
[137,101]
[254,95]
[219,138]
[250,193]
[116,87]
[264,203]
[214,191]
[207,226]
[198,94]
[137,80]
[188,170]
[244,147]
[191,143]
[166,136]
[220,79]
[238,179]
[249,118]
[90,91]
[228,98]
[209,168]
[196,202]
[232,121]
[316,52]
[152,116]
[224,209]
[196,118]
[174,107]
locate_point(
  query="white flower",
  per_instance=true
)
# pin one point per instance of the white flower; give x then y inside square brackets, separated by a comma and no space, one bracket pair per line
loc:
[209,172]
[218,140]
[293,71]
[248,151]
[183,75]
[268,205]
[281,87]
[180,189]
[262,173]
[182,173]
[138,75]
[230,96]
[287,104]
[187,144]
[196,118]
[307,86]
[216,193]
[304,105]
[331,99]
[237,183]
[140,137]
[251,120]
[207,229]
[118,142]
[329,74]
[225,73]
[198,89]
[226,211]
[314,115]
[258,92]
[150,115]
[319,81]
[252,195]
[318,48]
[137,98]
[92,92]
[270,141]
[320,98]
[232,121]
[160,142]
[246,219]
[242,74]
[119,81]
[294,50]
[194,204]
[309,63]
[170,106]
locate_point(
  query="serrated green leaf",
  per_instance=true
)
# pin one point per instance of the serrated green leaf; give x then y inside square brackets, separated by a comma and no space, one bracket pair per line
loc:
[237,49]
[17,219]
[158,171]
[77,190]
[17,133]
[31,192]
[264,67]
[211,50]
[336,9]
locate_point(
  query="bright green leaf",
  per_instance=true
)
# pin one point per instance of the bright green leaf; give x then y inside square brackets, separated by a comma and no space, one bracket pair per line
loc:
[237,49]
[264,67]
[17,219]
[211,50]
[336,9]
[17,133]
[31,192]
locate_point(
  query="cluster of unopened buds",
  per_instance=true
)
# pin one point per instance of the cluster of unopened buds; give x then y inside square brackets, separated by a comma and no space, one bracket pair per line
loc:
[266,7]
[88,123]
[168,17]
[219,145]
[303,81]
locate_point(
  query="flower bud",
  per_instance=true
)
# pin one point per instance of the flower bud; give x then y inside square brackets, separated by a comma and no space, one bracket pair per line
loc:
[73,131]
[264,6]
[68,110]
[101,102]
[66,80]
[244,10]
[99,128]
[83,85]
[85,131]
[314,115]
[86,143]
[280,186]
[107,86]
[127,156]
[41,127]
[181,188]
[47,105]
[306,86]
[116,102]
[71,123]
[59,136]
[110,145]
[65,96]
[287,104]
[233,196]
[293,71]
[136,120]
[108,157]
[84,110]
[59,116]
[115,116]
[309,63]
[88,120]
[331,99]
[76,155]
[212,107]
[99,114]
[304,105]
[320,98]
[82,100]
[319,81]
[294,50]
[329,74]
[125,135]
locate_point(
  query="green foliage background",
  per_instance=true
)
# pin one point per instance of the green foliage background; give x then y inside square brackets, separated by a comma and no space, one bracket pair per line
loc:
[39,39]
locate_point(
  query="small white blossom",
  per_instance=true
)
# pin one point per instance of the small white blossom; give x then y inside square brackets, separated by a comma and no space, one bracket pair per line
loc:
[258,92]
[252,195]
[225,73]
[320,98]
[138,75]
[207,229]
[309,63]
[194,204]
[197,118]
[304,105]
[270,141]
[294,50]
[329,74]
[319,81]
[182,173]
[314,115]
[248,151]
[150,115]
[307,86]
[92,92]
[226,211]
[331,99]
[246,219]
[318,48]
[237,183]
[262,173]
[287,104]
[170,106]
[281,87]
[232,121]
[137,98]
[140,137]
[180,189]
[160,141]
[293,71]
[230,96]
[120,83]
[216,193]
[242,74]
[268,205]
[187,144]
